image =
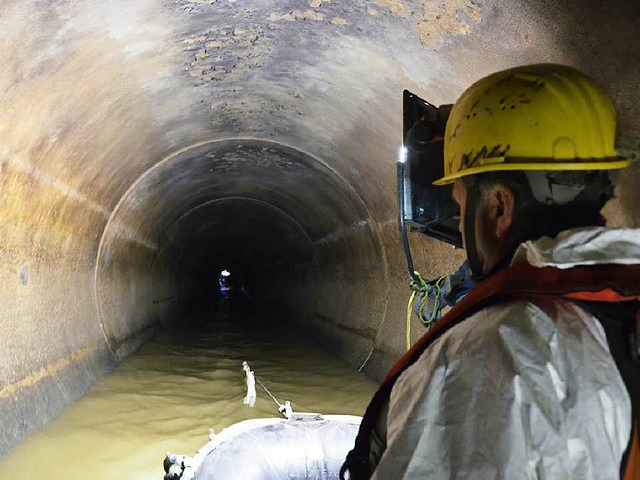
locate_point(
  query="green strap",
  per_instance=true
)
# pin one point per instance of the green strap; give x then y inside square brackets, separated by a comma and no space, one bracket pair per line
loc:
[421,287]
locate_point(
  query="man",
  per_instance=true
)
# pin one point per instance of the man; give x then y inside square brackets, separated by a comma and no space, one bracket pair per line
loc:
[519,380]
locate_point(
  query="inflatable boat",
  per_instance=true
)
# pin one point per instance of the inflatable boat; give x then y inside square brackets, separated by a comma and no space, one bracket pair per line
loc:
[296,447]
[303,446]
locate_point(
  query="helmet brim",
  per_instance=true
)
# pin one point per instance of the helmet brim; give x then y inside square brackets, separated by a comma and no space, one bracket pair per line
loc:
[504,164]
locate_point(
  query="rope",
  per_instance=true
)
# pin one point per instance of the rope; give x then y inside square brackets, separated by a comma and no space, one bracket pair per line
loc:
[420,286]
[266,390]
[413,295]
[427,322]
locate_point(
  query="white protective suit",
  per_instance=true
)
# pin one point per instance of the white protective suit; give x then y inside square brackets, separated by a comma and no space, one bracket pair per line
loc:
[519,390]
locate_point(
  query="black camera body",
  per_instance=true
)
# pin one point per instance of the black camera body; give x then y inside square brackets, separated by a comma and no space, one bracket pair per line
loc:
[423,206]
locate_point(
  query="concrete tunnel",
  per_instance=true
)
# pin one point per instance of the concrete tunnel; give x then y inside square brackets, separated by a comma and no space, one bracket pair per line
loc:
[146,145]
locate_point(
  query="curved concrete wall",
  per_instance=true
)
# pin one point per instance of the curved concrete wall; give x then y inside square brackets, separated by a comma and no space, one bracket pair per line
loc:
[145,145]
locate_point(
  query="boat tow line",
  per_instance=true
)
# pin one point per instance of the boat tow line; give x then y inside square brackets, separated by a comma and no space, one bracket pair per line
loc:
[284,409]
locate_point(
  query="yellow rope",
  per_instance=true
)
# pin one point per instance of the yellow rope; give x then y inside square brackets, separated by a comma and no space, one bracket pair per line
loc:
[413,295]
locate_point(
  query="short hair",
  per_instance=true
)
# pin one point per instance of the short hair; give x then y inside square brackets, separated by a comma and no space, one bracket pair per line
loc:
[534,219]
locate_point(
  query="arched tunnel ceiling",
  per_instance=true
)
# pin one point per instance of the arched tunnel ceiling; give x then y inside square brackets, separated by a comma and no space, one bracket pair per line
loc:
[300,186]
[244,232]
[135,136]
[125,84]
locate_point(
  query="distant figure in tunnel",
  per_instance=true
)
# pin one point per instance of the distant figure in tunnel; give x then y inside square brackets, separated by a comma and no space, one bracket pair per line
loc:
[535,373]
[223,280]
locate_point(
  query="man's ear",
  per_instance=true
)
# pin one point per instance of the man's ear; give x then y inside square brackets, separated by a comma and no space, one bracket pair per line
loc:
[503,201]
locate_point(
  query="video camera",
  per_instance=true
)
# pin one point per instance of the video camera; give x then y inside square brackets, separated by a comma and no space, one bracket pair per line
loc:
[422,205]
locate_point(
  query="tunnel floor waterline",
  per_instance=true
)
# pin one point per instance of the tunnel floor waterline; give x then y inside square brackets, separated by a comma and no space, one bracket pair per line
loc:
[185,380]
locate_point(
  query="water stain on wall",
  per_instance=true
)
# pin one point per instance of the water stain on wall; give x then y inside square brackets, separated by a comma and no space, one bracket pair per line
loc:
[437,19]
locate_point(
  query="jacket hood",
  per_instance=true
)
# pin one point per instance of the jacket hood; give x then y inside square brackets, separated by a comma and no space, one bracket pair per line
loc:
[583,246]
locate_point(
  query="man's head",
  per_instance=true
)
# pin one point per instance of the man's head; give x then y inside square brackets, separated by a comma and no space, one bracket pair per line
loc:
[507,212]
[529,150]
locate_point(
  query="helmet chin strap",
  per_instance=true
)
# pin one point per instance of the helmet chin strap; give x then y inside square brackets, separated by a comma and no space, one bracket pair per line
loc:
[471,207]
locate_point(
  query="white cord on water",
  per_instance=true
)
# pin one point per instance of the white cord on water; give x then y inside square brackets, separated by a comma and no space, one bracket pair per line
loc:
[268,392]
[284,409]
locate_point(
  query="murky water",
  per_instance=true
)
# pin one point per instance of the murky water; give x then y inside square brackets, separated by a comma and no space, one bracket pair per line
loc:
[181,383]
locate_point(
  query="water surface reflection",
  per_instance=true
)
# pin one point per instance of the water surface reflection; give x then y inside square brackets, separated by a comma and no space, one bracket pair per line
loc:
[182,382]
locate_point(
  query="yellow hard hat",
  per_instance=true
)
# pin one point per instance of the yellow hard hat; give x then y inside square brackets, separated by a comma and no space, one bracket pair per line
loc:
[537,117]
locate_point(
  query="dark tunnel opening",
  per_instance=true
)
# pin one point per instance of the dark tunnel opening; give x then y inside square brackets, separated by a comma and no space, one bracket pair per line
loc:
[249,234]
[289,225]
